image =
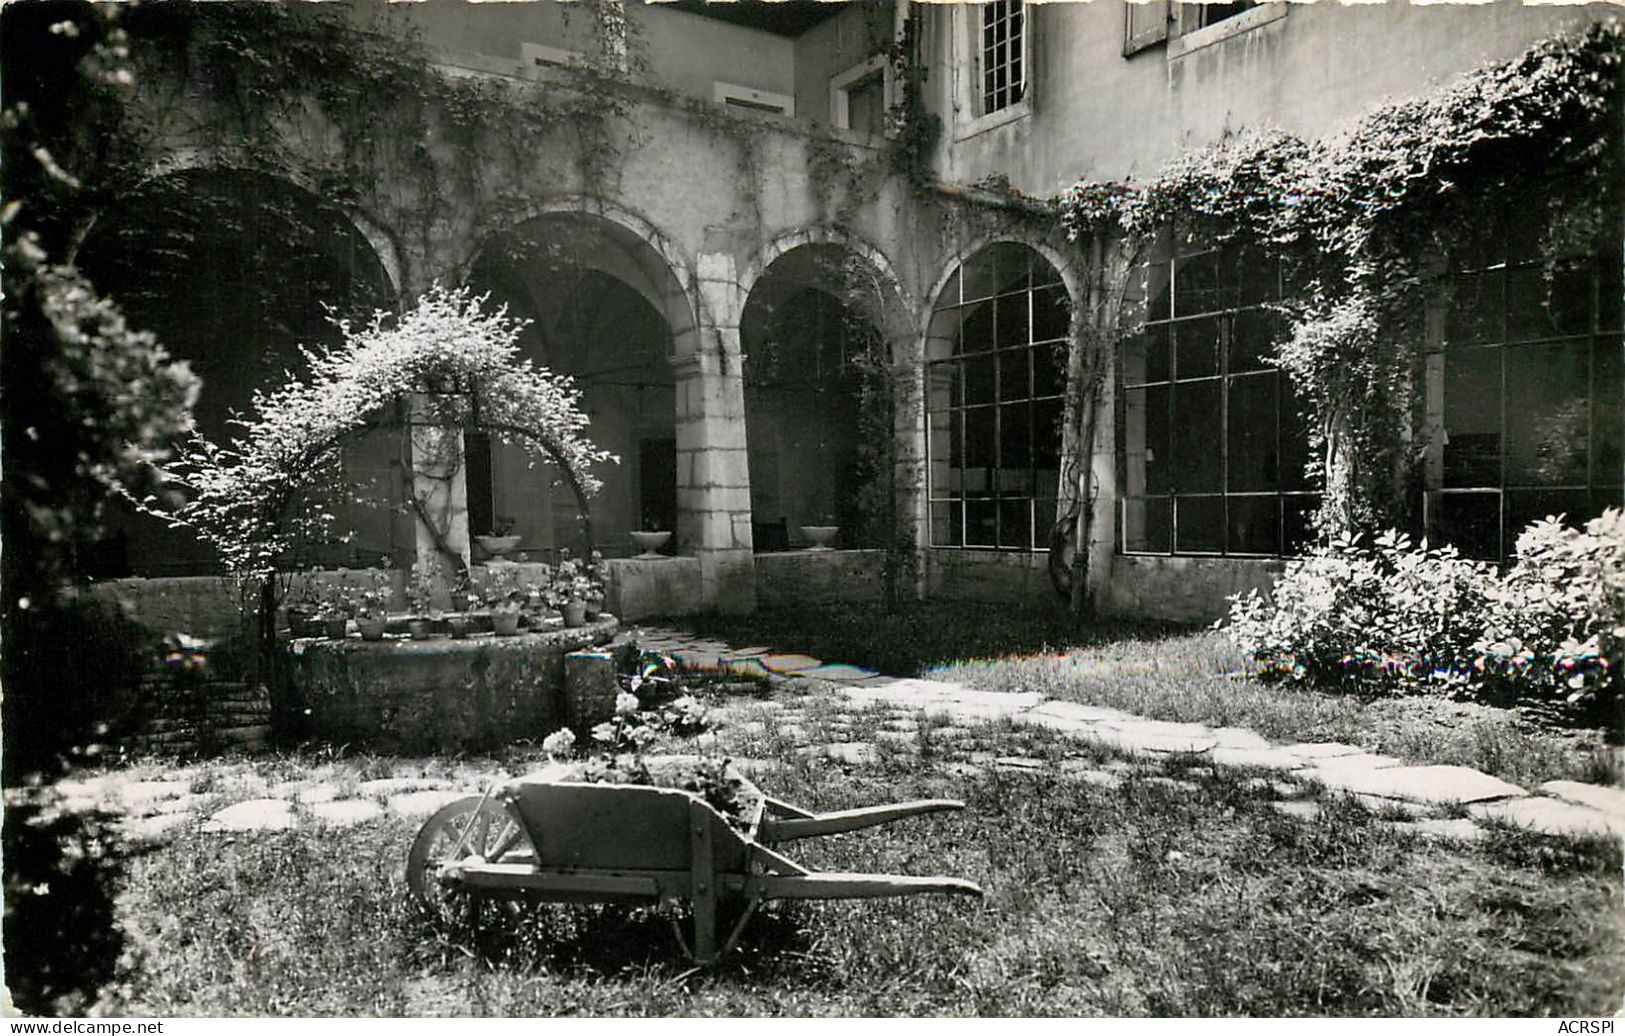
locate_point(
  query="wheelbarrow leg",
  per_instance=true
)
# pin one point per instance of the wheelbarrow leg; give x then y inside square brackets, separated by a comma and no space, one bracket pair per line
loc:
[702,882]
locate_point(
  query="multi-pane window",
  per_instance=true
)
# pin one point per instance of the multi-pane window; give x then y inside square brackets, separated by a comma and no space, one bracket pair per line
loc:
[1003,64]
[995,377]
[1211,447]
[1532,386]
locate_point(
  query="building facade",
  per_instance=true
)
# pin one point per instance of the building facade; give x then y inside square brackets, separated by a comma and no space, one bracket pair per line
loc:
[727,222]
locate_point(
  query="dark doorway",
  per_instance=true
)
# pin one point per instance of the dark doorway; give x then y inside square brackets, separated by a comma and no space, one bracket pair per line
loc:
[657,483]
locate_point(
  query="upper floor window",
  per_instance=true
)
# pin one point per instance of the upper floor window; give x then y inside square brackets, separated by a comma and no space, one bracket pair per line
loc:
[1211,446]
[1159,20]
[1003,63]
[995,378]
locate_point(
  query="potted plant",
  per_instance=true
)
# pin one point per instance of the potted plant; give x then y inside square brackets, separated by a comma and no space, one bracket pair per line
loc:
[651,537]
[302,607]
[420,592]
[569,589]
[595,579]
[505,598]
[372,613]
[461,620]
[500,540]
[820,536]
[333,606]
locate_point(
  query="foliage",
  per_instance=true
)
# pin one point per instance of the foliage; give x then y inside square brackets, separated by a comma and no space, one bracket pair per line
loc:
[1389,613]
[461,365]
[1555,621]
[61,939]
[1393,615]
[1359,218]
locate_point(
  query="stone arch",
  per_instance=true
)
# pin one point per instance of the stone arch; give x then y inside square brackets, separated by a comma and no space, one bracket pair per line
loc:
[993,356]
[679,302]
[382,239]
[200,253]
[818,310]
[605,292]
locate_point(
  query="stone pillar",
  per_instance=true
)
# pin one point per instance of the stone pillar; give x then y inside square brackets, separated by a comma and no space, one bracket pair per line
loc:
[713,466]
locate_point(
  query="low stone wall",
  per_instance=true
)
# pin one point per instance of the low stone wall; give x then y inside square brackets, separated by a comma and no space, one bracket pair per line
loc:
[438,695]
[988,575]
[203,606]
[637,588]
[792,577]
[1182,589]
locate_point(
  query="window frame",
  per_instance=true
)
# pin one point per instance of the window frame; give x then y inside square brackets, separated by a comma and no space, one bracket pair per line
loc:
[952,418]
[1596,338]
[841,84]
[970,117]
[1289,490]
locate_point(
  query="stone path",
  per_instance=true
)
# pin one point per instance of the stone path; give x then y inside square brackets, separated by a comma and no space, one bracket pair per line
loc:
[861,718]
[1381,782]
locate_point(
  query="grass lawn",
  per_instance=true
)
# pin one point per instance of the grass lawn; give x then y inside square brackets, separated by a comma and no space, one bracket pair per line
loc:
[1180,674]
[1178,892]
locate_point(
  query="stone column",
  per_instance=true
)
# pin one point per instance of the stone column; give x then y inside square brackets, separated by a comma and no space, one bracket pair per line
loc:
[713,466]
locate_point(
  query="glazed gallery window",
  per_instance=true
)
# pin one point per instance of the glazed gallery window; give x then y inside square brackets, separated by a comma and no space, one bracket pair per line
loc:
[1531,385]
[995,377]
[1003,64]
[1211,447]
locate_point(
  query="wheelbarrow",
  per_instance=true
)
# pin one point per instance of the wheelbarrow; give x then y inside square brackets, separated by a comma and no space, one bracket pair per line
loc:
[550,838]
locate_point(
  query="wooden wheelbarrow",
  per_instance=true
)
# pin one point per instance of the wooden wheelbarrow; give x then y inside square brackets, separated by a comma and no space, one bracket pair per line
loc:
[548,839]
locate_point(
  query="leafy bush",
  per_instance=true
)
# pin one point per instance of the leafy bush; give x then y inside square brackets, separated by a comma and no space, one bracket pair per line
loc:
[1397,616]
[1556,621]
[1390,613]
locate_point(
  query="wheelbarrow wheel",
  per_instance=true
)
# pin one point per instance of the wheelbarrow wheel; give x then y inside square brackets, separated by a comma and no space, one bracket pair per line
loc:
[471,826]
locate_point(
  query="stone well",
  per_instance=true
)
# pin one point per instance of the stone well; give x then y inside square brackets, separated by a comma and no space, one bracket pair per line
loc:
[437,695]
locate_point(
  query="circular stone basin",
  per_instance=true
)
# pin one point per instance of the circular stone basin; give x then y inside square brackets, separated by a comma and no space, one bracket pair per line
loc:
[437,695]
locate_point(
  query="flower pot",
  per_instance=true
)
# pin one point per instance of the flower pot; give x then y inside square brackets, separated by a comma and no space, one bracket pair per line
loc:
[505,624]
[372,627]
[650,542]
[819,537]
[421,629]
[496,546]
[302,623]
[336,629]
[459,625]
[575,613]
[595,606]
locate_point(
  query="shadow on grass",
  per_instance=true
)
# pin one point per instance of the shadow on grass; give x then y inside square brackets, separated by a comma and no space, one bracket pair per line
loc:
[605,939]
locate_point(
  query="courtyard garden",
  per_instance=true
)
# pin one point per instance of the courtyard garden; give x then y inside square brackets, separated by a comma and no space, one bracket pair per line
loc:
[1119,878]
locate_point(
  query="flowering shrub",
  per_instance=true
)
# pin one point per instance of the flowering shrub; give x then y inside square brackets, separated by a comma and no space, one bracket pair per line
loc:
[1556,621]
[1405,617]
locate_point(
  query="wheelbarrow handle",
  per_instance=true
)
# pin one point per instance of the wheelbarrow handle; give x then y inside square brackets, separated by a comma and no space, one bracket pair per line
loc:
[807,825]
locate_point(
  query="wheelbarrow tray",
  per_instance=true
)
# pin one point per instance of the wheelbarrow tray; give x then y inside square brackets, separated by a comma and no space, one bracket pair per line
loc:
[571,841]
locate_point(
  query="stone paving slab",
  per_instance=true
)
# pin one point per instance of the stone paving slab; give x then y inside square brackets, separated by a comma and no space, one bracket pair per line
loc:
[1351,763]
[387,786]
[1138,740]
[1552,816]
[1263,758]
[154,828]
[1436,784]
[785,664]
[1303,809]
[137,794]
[253,815]
[1320,750]
[838,673]
[1067,717]
[1239,737]
[1608,800]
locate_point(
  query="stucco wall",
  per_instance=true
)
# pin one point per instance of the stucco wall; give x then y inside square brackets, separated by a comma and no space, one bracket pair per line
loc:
[1098,115]
[985,575]
[1182,589]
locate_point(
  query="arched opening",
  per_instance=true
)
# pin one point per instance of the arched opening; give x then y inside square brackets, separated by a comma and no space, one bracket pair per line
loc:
[995,381]
[605,309]
[234,271]
[814,374]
